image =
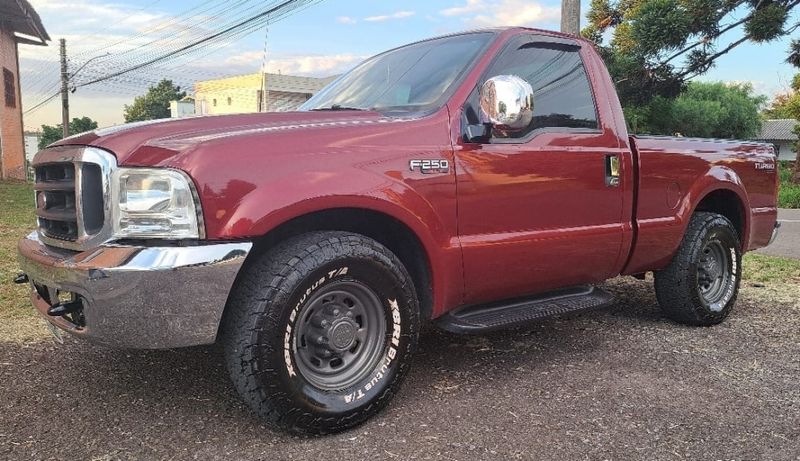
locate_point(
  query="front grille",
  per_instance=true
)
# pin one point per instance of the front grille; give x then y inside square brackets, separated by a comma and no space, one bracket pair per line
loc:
[55,200]
[92,198]
[71,185]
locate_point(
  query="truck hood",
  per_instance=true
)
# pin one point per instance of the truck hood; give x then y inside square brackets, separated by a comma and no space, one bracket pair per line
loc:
[153,142]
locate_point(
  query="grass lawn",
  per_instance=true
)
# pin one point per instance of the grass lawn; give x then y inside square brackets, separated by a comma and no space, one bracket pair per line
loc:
[765,269]
[18,322]
[17,220]
[789,194]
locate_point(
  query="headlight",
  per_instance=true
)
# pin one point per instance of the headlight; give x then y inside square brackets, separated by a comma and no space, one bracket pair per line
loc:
[154,203]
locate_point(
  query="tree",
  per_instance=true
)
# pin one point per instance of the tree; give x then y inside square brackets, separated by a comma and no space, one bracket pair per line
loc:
[51,134]
[787,105]
[709,110]
[155,103]
[657,46]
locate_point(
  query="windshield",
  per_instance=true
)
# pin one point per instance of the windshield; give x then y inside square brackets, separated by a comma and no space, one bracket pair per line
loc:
[412,78]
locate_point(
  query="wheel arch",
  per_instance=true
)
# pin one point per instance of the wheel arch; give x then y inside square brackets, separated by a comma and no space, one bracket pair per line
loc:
[726,203]
[722,191]
[393,233]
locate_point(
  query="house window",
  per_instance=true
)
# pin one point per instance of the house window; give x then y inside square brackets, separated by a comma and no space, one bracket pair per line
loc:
[214,102]
[229,100]
[10,88]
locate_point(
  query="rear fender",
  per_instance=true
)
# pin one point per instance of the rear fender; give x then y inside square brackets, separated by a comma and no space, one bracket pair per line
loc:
[658,239]
[718,177]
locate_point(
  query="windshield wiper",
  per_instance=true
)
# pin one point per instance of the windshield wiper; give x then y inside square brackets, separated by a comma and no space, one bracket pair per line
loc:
[338,107]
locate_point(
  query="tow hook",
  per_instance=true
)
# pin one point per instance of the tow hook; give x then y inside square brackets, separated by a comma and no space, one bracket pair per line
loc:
[62,309]
[21,278]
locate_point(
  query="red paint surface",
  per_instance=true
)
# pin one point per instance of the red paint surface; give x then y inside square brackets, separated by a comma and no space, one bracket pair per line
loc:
[506,221]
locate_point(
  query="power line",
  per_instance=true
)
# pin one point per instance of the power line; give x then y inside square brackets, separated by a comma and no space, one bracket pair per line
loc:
[42,103]
[130,77]
[196,43]
[158,27]
[226,33]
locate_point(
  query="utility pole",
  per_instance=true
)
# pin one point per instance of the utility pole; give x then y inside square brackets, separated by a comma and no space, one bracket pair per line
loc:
[64,89]
[571,16]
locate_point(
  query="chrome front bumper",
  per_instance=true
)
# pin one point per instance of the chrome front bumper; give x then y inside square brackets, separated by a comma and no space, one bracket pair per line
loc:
[136,296]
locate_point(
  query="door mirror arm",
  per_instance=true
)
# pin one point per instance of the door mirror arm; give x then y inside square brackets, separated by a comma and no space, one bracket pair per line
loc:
[478,133]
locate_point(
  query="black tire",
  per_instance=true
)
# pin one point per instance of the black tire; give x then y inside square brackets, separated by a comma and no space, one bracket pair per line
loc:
[701,283]
[276,313]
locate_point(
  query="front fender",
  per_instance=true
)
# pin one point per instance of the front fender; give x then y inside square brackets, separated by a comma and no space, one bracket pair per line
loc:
[431,217]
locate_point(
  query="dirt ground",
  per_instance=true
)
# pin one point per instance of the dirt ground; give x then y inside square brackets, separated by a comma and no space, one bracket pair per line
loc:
[620,383]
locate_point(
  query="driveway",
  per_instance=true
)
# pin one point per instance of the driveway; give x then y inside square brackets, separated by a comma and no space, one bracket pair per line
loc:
[788,242]
[620,383]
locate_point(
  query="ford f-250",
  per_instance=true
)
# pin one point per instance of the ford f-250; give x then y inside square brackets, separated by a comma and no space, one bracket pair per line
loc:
[478,181]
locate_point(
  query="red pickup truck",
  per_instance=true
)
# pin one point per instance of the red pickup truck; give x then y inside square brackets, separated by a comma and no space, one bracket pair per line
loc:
[478,181]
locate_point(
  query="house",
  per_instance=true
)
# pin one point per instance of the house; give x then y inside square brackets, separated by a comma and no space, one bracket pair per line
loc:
[31,148]
[182,108]
[258,92]
[31,144]
[19,24]
[780,132]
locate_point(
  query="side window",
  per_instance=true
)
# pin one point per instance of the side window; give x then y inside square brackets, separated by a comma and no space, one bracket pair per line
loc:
[562,93]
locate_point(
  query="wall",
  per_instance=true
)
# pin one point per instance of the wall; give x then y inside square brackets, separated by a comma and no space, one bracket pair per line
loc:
[242,93]
[283,101]
[178,109]
[31,145]
[12,146]
[785,150]
[232,95]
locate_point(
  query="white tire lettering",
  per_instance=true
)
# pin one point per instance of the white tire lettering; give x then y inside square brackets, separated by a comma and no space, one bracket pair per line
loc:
[287,339]
[391,354]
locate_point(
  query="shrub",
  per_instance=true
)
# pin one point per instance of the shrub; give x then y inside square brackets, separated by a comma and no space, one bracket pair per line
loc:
[789,193]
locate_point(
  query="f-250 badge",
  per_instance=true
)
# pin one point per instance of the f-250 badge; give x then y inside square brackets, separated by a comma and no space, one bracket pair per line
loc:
[429,166]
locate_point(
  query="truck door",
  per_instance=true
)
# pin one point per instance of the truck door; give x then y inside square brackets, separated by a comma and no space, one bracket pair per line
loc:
[539,209]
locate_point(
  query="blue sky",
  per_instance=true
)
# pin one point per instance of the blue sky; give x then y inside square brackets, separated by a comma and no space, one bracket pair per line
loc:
[324,39]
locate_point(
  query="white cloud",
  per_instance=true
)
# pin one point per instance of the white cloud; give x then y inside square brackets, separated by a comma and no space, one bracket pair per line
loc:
[316,66]
[472,6]
[346,20]
[386,17]
[306,65]
[487,13]
[107,16]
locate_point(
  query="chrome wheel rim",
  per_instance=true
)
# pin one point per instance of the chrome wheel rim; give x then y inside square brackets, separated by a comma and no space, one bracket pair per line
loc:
[340,335]
[714,274]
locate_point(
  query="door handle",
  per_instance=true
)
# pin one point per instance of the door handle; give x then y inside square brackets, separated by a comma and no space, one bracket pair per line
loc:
[612,170]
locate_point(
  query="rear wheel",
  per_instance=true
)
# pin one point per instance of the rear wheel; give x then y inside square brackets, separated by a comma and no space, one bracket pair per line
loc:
[320,330]
[701,283]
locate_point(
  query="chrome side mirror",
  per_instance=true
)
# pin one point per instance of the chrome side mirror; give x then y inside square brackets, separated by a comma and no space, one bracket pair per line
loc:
[507,102]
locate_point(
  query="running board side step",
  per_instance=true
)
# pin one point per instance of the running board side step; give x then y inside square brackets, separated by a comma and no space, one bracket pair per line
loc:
[518,312]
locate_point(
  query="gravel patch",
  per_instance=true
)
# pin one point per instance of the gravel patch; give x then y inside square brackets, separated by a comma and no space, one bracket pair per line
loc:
[620,383]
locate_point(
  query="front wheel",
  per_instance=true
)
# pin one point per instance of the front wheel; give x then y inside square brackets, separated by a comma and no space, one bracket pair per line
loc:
[700,285]
[320,330]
